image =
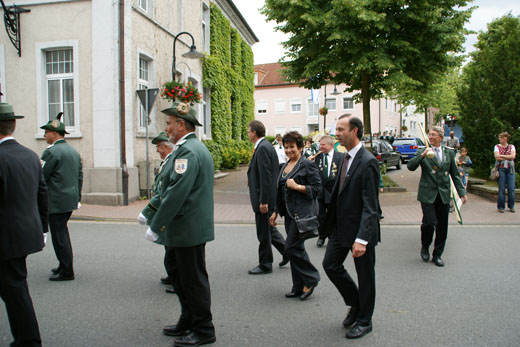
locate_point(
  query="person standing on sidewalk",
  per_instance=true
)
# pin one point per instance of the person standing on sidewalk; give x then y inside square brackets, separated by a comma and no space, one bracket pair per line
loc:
[181,218]
[505,155]
[262,176]
[434,192]
[63,174]
[23,216]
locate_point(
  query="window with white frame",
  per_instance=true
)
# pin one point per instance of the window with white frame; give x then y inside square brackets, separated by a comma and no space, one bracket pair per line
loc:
[261,107]
[256,78]
[143,82]
[143,4]
[330,104]
[279,130]
[59,78]
[57,84]
[298,129]
[386,104]
[296,106]
[279,106]
[348,103]
[205,27]
[312,108]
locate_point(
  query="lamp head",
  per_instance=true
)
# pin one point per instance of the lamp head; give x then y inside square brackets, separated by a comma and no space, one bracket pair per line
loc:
[335,91]
[193,53]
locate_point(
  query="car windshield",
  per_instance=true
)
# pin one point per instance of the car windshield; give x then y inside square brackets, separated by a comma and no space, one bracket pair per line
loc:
[403,142]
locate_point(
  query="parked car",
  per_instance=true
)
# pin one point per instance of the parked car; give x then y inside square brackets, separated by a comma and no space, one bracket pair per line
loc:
[386,154]
[408,146]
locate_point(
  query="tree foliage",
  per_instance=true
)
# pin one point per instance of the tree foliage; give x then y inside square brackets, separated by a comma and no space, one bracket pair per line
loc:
[370,45]
[489,95]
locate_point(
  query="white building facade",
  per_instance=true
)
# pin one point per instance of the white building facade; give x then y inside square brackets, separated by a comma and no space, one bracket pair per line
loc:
[72,62]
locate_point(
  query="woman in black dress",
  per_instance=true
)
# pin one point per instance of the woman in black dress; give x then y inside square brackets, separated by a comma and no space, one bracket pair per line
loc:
[298,187]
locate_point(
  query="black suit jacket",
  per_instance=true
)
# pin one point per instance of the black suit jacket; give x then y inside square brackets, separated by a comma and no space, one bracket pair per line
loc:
[353,207]
[299,204]
[262,176]
[327,183]
[23,201]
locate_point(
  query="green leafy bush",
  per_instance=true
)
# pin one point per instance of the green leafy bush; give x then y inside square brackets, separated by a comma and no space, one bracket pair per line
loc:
[270,139]
[216,152]
[230,158]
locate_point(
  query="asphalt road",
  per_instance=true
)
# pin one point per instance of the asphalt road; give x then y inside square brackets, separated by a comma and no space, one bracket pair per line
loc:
[117,300]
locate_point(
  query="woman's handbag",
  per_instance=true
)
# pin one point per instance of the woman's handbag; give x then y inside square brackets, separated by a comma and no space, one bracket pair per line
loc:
[307,227]
[494,174]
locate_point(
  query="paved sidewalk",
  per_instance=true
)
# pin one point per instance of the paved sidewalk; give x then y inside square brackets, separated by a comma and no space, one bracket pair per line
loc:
[232,204]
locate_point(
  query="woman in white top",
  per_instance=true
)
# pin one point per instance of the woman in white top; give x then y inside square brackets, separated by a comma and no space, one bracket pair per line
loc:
[505,154]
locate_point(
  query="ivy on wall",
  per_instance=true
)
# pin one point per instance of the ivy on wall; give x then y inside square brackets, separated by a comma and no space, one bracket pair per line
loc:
[229,72]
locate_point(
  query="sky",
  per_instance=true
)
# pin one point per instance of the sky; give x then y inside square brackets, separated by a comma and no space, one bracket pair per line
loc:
[269,49]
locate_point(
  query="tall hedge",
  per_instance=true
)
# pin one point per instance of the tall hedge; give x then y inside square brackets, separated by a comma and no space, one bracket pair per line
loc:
[229,72]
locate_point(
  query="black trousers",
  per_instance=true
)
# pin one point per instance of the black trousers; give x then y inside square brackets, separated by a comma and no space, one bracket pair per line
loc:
[61,241]
[435,219]
[267,235]
[18,303]
[363,298]
[186,267]
[302,271]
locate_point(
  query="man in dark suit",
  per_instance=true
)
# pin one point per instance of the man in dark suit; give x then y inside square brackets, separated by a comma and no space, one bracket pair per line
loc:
[262,177]
[328,162]
[23,216]
[64,177]
[354,222]
[437,166]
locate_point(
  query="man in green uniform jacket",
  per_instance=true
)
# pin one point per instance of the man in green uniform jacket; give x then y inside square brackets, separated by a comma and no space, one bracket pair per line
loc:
[434,192]
[164,148]
[63,174]
[181,217]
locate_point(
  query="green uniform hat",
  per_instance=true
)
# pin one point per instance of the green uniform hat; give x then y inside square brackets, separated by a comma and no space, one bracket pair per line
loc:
[55,125]
[7,112]
[160,138]
[184,111]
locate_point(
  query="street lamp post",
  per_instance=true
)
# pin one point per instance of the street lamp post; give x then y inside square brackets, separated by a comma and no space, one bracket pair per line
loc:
[191,54]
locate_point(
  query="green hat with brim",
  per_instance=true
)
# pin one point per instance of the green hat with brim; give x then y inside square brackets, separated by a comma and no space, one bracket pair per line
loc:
[7,112]
[55,125]
[162,137]
[183,110]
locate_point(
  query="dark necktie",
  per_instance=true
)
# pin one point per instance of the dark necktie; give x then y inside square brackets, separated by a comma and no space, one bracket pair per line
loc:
[344,170]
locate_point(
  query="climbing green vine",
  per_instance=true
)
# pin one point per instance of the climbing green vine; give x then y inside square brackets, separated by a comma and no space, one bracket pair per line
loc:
[229,73]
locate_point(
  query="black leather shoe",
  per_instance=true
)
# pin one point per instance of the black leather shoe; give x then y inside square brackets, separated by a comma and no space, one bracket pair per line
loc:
[437,261]
[320,242]
[61,277]
[194,340]
[259,270]
[293,294]
[55,270]
[425,254]
[284,261]
[306,294]
[174,330]
[170,290]
[358,331]
[351,317]
[166,280]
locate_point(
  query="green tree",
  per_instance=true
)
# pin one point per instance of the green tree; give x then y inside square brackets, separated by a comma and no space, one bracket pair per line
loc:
[371,45]
[489,95]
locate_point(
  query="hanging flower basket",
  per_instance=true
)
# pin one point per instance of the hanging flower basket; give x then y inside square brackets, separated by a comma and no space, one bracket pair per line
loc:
[178,91]
[324,111]
[404,128]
